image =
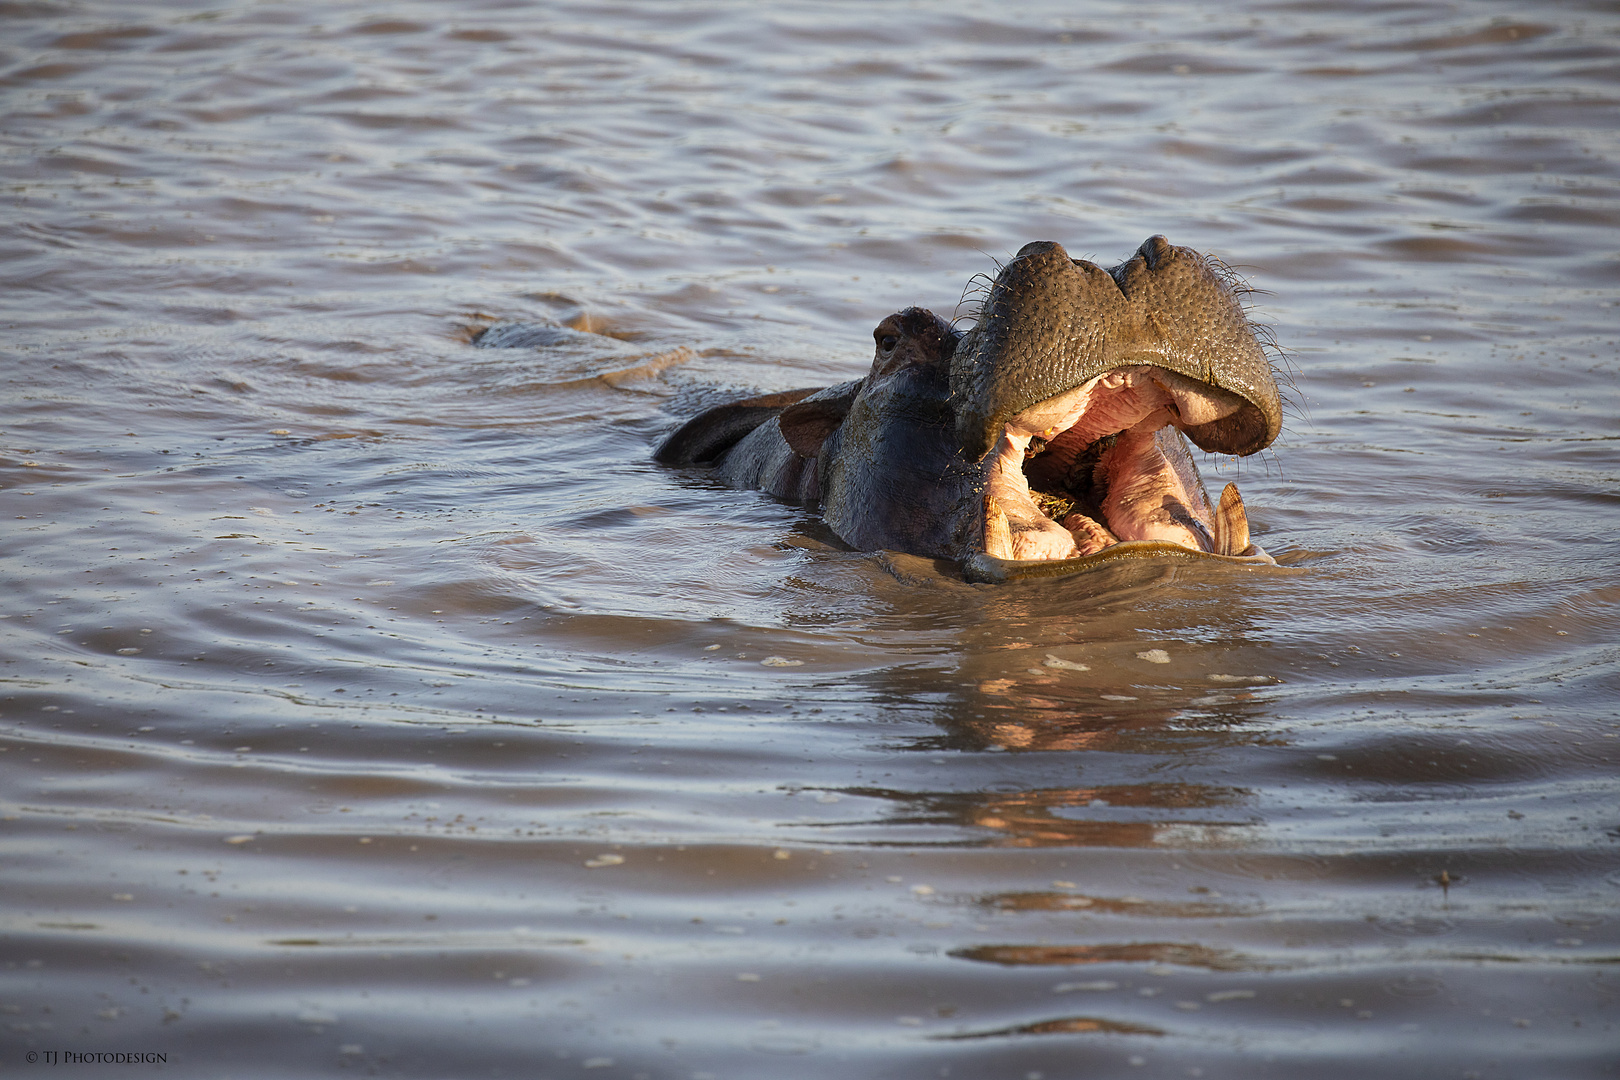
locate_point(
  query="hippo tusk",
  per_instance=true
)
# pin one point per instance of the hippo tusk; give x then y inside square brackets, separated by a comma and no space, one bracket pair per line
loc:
[997,531]
[1231,523]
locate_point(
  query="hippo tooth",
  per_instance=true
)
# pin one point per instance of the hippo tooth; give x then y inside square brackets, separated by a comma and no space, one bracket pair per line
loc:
[997,532]
[1231,523]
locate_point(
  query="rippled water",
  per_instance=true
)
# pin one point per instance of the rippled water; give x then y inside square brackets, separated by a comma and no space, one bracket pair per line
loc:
[369,700]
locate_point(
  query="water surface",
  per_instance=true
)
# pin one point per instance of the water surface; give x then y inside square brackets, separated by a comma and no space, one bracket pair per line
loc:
[369,701]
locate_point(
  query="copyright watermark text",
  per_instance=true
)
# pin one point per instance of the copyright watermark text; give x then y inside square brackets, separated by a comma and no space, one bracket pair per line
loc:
[103,1057]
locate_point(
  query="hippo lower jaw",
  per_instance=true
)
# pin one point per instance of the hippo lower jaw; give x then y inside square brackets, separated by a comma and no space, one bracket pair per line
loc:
[1104,464]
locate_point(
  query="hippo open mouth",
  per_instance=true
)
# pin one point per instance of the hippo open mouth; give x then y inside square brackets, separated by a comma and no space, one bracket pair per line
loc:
[1079,384]
[1104,463]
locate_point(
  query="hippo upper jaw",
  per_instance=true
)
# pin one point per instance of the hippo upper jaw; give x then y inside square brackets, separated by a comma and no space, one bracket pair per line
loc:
[1050,324]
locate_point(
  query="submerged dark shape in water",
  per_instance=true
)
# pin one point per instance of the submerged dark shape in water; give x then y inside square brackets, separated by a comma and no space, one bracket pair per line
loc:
[1050,435]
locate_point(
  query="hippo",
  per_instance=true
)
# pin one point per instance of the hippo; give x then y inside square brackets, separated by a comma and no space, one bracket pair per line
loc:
[1051,435]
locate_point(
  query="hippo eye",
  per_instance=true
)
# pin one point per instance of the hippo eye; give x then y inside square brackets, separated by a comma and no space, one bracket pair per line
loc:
[888,342]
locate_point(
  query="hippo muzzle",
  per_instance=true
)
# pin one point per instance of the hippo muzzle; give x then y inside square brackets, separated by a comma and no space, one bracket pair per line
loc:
[1051,324]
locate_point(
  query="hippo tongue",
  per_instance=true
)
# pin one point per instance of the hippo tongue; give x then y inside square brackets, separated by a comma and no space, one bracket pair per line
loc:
[1051,324]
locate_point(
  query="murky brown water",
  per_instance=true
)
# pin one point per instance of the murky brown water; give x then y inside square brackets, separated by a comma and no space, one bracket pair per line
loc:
[370,701]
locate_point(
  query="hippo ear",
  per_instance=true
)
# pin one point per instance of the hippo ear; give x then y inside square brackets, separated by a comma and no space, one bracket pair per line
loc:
[704,438]
[807,424]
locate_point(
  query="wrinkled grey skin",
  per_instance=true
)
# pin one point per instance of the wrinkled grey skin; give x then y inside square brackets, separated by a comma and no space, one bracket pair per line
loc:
[900,458]
[891,475]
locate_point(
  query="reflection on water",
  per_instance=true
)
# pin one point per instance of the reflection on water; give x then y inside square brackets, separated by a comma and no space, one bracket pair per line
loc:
[369,700]
[1080,955]
[1065,1026]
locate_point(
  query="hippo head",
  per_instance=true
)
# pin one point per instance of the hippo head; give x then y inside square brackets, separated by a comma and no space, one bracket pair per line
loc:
[1053,430]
